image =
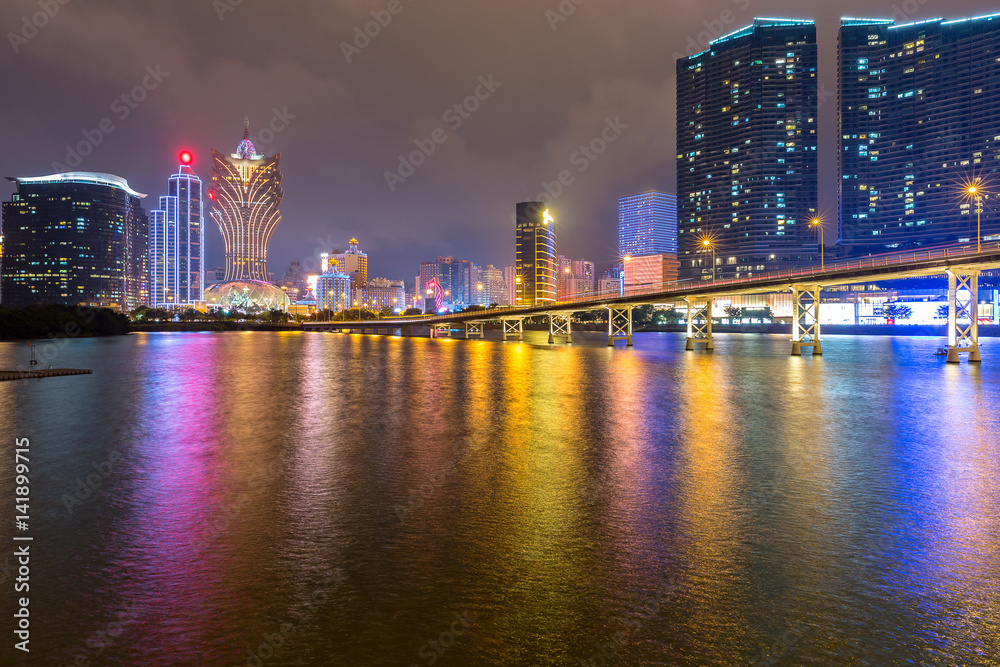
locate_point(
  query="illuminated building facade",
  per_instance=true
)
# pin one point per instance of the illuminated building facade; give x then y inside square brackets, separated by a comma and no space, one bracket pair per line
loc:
[353,262]
[457,278]
[746,151]
[177,242]
[75,238]
[494,287]
[246,296]
[611,282]
[646,271]
[647,224]
[575,278]
[246,193]
[510,278]
[535,254]
[919,119]
[381,293]
[333,289]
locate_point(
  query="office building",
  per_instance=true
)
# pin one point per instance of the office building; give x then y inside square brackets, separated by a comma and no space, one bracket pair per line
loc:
[494,287]
[456,277]
[645,272]
[382,293]
[919,123]
[611,282]
[746,151]
[75,238]
[353,262]
[177,242]
[535,252]
[246,193]
[333,289]
[647,224]
[510,279]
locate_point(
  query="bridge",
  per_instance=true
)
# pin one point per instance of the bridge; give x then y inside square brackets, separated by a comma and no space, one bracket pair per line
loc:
[961,263]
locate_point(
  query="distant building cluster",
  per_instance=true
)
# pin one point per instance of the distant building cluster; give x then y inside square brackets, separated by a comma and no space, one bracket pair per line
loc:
[918,110]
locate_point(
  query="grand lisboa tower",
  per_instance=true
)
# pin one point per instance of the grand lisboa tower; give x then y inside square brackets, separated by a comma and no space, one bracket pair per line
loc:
[245,194]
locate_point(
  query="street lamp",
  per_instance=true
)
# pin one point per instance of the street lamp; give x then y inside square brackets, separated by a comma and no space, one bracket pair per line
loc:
[976,193]
[815,222]
[708,245]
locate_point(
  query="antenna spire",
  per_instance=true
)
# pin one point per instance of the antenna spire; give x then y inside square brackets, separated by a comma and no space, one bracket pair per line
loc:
[246,127]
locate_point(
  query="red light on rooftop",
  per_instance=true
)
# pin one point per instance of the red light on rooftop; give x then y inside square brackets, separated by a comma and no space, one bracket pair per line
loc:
[186,157]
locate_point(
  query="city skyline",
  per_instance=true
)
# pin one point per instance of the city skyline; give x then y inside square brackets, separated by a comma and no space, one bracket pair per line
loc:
[347,130]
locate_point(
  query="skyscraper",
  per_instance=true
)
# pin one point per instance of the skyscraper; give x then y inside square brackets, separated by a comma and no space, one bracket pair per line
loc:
[494,286]
[647,224]
[746,150]
[75,238]
[177,241]
[535,252]
[246,193]
[456,277]
[919,122]
[353,262]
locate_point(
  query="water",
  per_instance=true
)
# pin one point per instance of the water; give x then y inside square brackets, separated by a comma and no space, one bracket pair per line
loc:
[318,499]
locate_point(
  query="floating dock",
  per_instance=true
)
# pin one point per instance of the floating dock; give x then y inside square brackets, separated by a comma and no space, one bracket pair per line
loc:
[48,373]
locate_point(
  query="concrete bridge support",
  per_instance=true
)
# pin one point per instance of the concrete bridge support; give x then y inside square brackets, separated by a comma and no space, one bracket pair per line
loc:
[474,330]
[559,326]
[963,314]
[513,327]
[805,319]
[698,333]
[620,325]
[441,330]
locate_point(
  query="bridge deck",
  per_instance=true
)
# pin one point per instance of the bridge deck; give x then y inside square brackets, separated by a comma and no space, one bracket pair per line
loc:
[881,267]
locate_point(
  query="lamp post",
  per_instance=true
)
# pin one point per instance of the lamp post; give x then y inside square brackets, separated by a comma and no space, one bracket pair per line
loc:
[708,245]
[975,192]
[815,222]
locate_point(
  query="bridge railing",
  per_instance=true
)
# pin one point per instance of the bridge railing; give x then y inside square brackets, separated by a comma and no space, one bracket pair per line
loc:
[873,261]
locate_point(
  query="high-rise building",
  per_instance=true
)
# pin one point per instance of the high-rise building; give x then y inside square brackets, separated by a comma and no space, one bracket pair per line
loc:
[333,289]
[75,238]
[611,282]
[746,151]
[574,278]
[494,287]
[456,277]
[647,224]
[535,251]
[177,242]
[919,123]
[353,262]
[296,276]
[246,193]
[510,279]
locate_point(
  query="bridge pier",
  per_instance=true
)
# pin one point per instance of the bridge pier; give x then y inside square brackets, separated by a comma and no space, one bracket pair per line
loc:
[474,330]
[805,319]
[513,328]
[619,325]
[963,304]
[439,330]
[559,326]
[697,333]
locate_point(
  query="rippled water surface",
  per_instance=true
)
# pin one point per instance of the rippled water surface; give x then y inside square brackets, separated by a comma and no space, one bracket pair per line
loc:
[319,499]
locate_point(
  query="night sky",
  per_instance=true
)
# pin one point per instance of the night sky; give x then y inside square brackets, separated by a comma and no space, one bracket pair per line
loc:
[556,81]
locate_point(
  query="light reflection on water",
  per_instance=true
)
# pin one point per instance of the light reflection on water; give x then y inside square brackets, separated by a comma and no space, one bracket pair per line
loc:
[353,493]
